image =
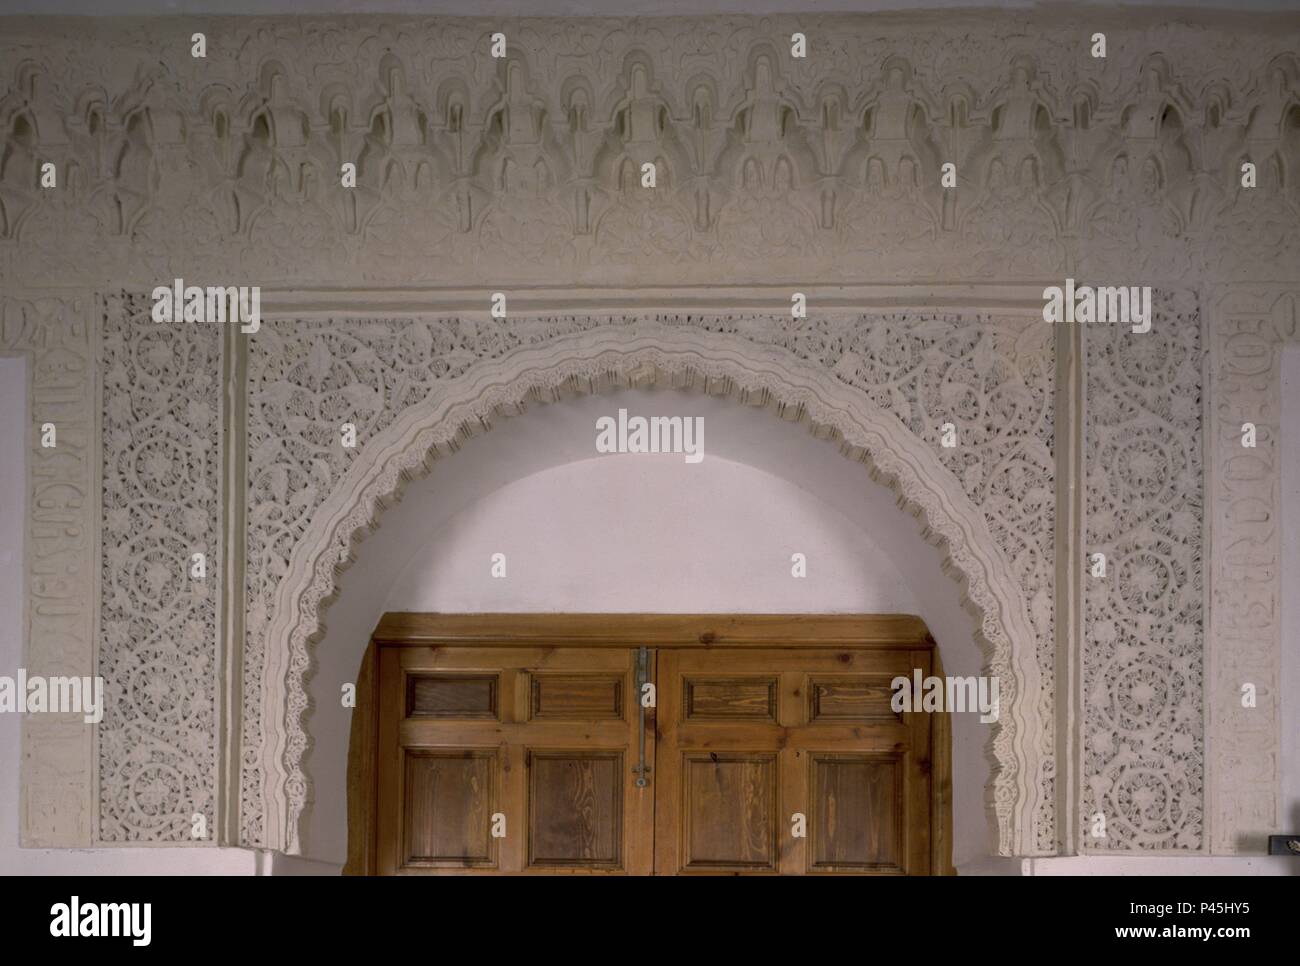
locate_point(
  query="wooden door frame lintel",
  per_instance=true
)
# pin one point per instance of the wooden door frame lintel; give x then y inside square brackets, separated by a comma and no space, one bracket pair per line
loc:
[893,631]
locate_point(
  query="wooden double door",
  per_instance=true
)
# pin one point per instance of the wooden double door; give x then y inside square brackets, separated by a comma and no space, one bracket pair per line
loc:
[509,756]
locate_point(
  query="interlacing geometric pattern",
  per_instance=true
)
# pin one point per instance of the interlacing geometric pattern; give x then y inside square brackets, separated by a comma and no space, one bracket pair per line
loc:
[992,379]
[162,488]
[773,173]
[1144,758]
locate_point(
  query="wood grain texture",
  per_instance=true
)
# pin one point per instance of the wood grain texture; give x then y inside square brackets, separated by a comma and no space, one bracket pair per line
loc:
[575,809]
[363,771]
[730,698]
[655,630]
[451,696]
[729,811]
[576,696]
[742,741]
[733,791]
[449,800]
[562,780]
[863,698]
[857,817]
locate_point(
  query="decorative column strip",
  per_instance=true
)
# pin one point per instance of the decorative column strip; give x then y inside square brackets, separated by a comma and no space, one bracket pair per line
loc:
[230,626]
[1245,732]
[1070,412]
[57,767]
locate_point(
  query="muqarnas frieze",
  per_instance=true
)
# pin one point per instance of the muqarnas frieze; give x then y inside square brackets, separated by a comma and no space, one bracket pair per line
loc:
[159,647]
[528,168]
[993,376]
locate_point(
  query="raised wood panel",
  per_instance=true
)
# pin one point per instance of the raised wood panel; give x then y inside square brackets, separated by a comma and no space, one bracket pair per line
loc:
[740,699]
[856,817]
[575,809]
[576,697]
[851,699]
[451,696]
[450,797]
[730,811]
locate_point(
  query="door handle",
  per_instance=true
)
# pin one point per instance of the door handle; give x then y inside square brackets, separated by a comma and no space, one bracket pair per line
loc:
[642,678]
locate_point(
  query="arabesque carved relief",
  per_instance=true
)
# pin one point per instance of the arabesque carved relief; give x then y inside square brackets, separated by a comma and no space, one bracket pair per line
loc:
[772,173]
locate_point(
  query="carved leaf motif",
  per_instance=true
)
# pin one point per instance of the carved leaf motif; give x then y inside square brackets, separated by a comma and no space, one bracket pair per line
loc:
[319,361]
[984,358]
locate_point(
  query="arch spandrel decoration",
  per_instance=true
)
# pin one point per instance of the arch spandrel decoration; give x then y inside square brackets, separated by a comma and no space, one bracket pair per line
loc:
[680,356]
[490,175]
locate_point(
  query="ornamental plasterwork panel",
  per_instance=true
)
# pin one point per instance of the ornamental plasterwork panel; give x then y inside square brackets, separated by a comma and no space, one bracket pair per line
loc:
[527,168]
[475,172]
[1245,802]
[666,352]
[159,647]
[993,378]
[1143,741]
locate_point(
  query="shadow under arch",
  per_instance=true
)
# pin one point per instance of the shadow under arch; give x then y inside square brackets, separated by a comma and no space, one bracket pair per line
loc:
[647,354]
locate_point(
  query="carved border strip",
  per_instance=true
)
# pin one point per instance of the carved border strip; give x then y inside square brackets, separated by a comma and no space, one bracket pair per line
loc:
[161,646]
[1253,324]
[62,559]
[1143,651]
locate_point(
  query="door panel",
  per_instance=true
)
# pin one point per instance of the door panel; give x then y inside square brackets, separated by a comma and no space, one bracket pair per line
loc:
[729,812]
[750,740]
[575,809]
[767,760]
[538,743]
[449,799]
[856,817]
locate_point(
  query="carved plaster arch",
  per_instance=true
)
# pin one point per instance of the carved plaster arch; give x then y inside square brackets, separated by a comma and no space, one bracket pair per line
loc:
[641,354]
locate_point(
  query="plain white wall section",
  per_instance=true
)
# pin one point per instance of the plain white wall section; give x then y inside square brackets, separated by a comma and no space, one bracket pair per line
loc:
[629,533]
[645,532]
